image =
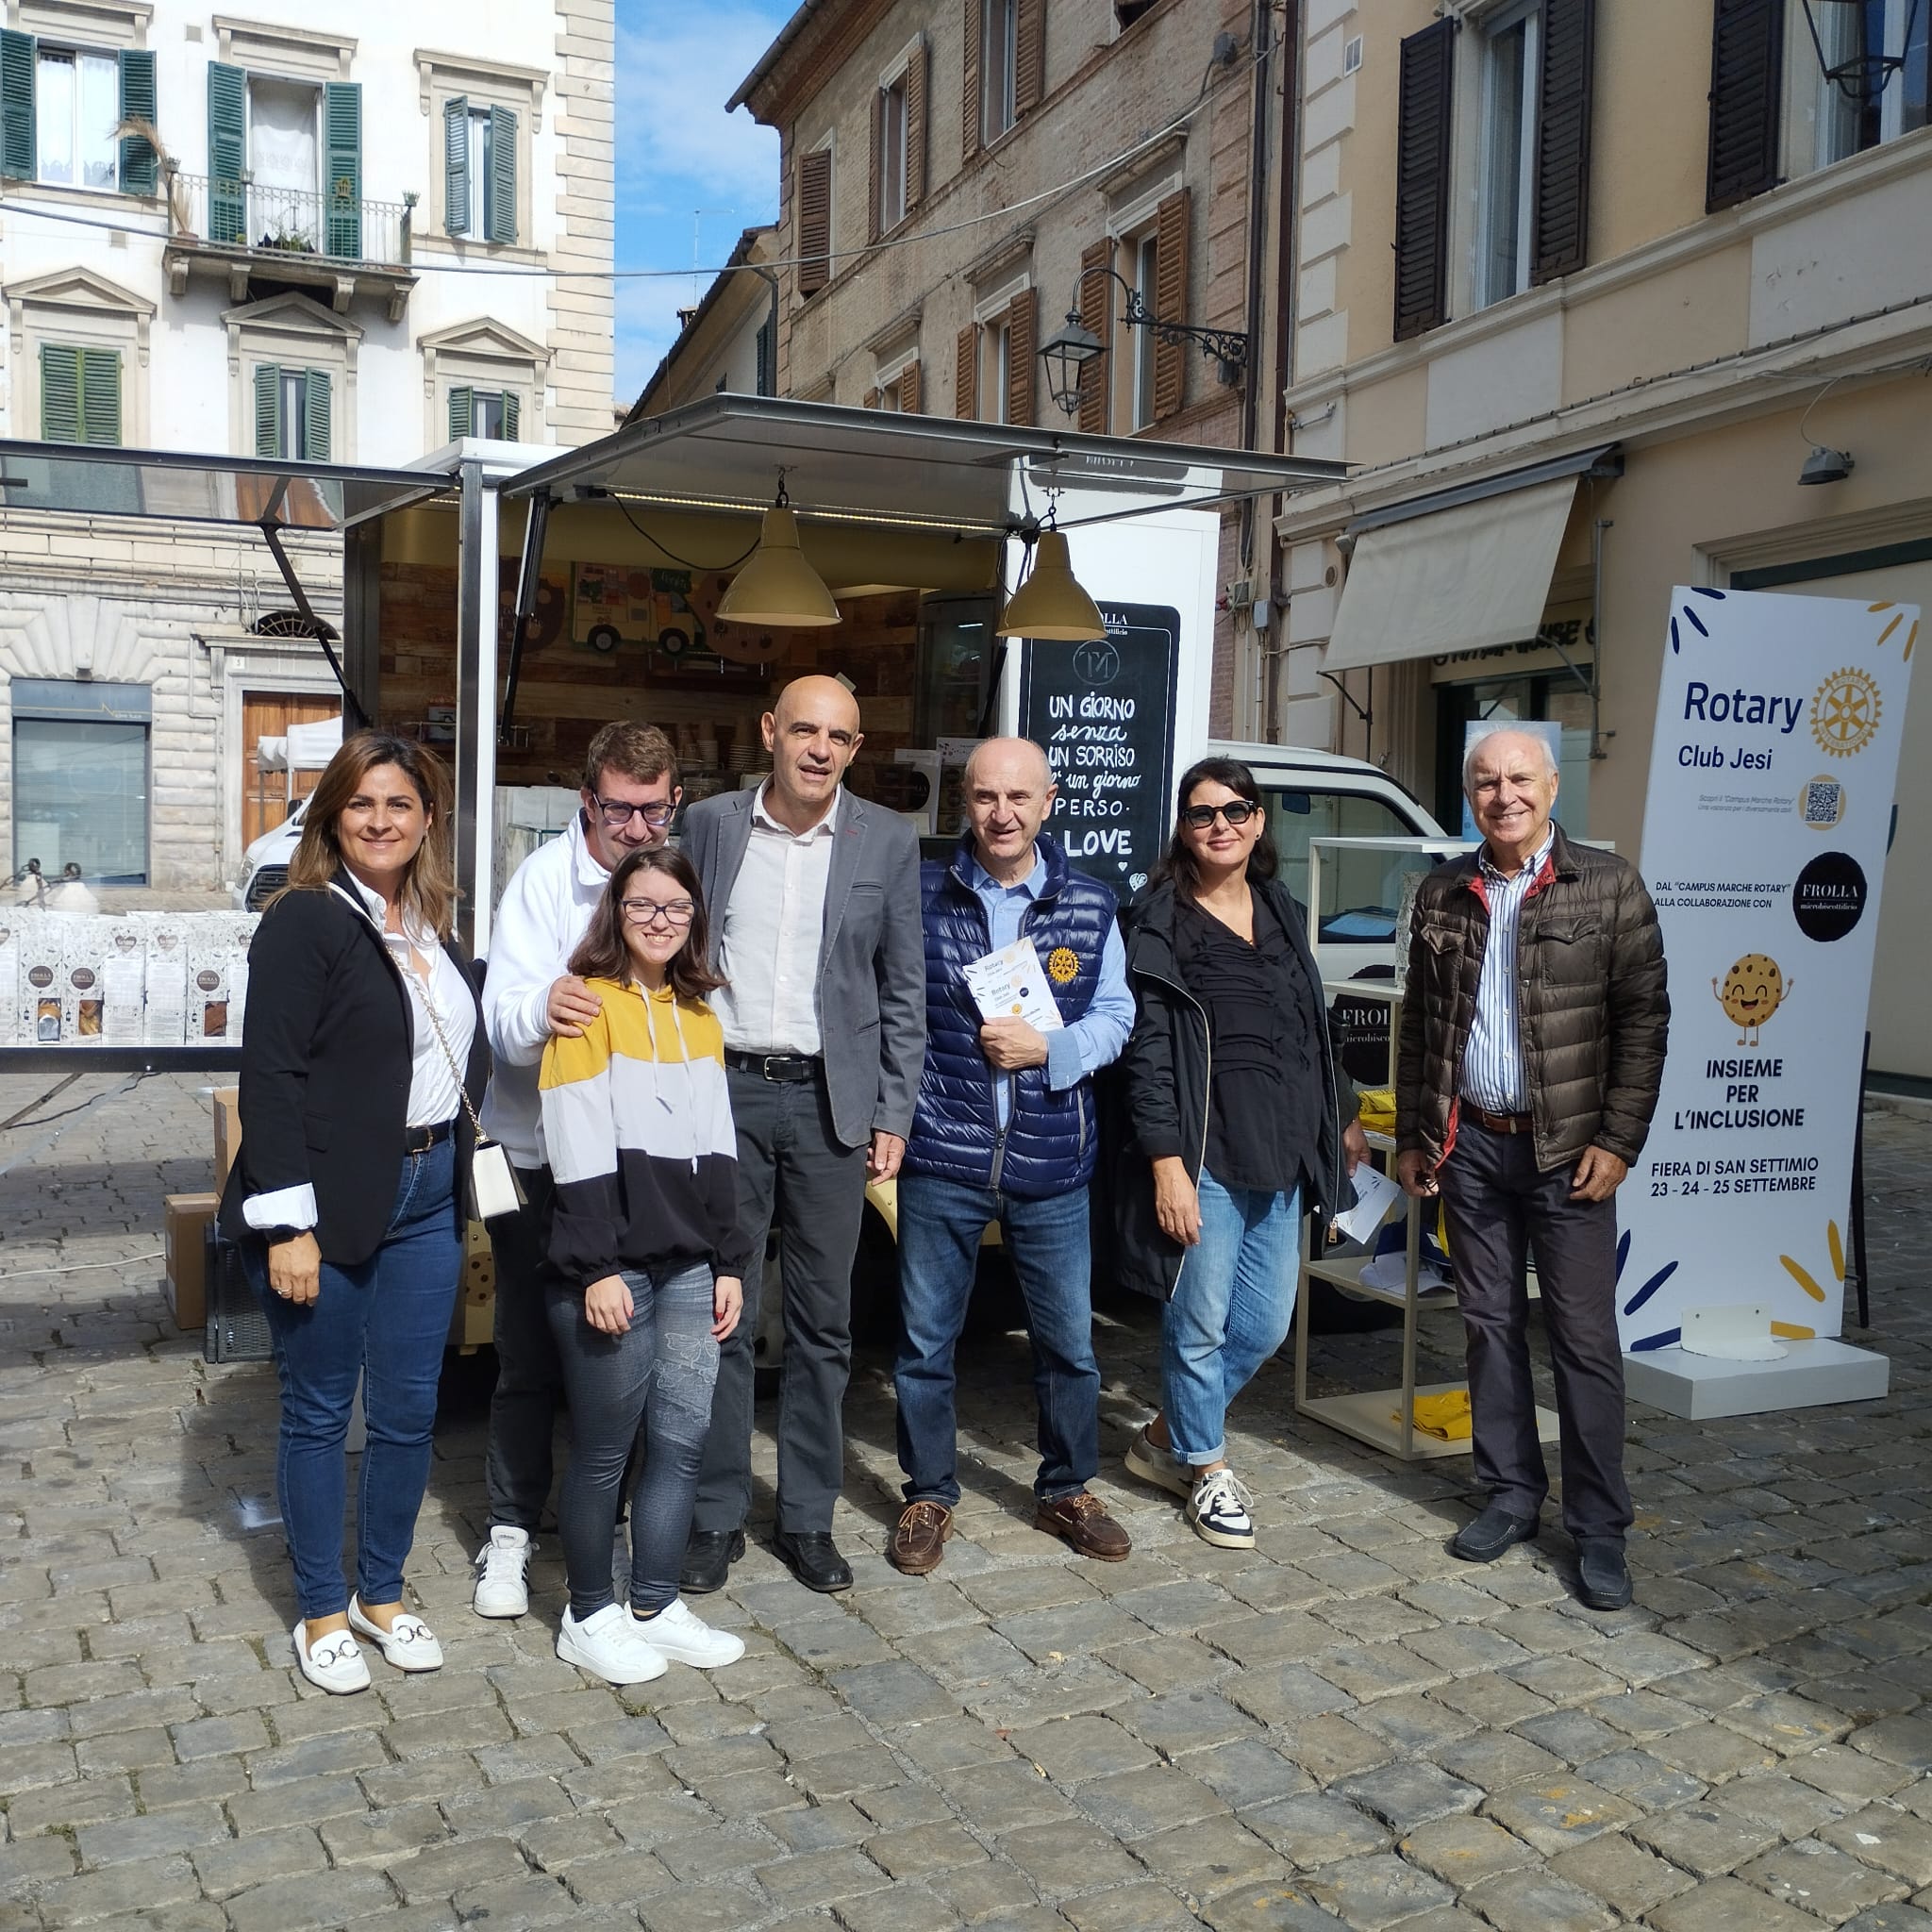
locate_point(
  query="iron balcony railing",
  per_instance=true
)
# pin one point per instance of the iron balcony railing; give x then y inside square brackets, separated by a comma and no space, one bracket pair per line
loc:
[287,220]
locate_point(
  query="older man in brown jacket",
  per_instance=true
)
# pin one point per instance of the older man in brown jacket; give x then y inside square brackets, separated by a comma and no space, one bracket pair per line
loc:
[1533,1034]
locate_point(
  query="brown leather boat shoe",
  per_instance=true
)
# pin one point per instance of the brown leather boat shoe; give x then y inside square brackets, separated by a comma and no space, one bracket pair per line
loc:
[1082,1521]
[919,1542]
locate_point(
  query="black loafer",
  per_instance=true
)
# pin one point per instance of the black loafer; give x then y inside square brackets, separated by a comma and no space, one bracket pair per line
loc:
[813,1558]
[708,1559]
[1490,1534]
[1603,1576]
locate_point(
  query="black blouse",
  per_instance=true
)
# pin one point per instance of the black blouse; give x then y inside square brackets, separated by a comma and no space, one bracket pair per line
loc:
[1264,1114]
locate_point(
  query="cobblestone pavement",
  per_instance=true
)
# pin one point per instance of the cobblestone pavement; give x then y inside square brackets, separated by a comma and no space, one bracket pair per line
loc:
[1343,1725]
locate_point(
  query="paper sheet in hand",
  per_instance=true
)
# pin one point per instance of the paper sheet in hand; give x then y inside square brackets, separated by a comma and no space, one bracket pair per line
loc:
[1009,985]
[1374,1194]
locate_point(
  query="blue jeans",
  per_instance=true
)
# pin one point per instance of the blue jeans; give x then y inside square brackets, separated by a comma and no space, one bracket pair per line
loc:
[660,1372]
[382,1323]
[1229,1311]
[939,1226]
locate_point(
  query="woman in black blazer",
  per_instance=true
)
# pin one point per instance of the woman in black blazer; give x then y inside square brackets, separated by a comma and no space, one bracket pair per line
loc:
[354,1163]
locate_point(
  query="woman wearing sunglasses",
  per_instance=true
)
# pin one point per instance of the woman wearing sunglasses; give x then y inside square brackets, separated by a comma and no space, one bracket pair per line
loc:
[646,1283]
[1231,1084]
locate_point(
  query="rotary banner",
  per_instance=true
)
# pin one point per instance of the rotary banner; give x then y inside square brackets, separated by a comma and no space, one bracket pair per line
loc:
[1778,723]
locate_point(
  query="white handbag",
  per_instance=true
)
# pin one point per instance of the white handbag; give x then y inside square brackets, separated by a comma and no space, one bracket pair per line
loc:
[494,1189]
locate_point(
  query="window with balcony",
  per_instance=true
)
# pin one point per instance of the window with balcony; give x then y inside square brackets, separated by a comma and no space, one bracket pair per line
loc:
[285,165]
[62,108]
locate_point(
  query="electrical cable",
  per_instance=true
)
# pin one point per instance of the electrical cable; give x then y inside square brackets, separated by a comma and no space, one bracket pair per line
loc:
[82,1267]
[702,569]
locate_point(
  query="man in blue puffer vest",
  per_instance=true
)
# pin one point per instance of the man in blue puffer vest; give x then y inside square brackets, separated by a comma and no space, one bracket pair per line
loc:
[1005,1131]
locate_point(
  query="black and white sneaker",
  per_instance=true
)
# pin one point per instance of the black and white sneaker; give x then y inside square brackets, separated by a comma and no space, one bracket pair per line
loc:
[1219,1509]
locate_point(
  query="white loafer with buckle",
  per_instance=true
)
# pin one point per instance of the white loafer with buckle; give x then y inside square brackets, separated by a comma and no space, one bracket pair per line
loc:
[336,1664]
[408,1643]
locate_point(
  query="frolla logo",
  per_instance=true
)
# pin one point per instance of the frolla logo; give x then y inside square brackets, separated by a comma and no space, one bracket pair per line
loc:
[1828,898]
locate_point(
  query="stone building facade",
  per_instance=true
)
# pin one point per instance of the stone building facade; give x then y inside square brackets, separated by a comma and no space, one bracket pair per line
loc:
[262,235]
[959,174]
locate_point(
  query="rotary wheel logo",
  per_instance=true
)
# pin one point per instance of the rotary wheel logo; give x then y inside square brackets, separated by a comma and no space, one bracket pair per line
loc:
[1062,964]
[1845,713]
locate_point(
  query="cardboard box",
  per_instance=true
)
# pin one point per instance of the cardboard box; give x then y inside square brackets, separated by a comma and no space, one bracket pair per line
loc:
[185,1224]
[227,1110]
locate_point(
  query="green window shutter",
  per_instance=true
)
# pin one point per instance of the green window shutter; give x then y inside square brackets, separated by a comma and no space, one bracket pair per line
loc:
[100,397]
[316,416]
[227,150]
[462,410]
[268,409]
[500,215]
[512,414]
[59,393]
[341,121]
[140,167]
[17,55]
[456,165]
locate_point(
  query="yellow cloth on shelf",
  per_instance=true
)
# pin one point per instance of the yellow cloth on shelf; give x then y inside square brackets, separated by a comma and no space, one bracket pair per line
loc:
[1445,1417]
[1375,1110]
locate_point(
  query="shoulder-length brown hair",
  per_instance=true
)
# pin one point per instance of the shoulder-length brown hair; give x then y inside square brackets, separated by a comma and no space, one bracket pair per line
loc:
[602,952]
[429,886]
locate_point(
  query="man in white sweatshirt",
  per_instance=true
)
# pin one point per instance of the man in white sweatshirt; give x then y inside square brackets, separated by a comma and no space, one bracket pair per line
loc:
[630,793]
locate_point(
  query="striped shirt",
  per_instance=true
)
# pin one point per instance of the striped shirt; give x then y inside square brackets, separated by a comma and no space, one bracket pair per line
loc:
[1493,1077]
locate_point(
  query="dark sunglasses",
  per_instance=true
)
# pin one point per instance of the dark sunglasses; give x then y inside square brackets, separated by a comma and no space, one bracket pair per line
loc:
[1237,811]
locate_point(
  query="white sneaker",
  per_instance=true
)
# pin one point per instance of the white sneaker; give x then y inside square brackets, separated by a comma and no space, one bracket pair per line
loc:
[336,1664]
[1160,1467]
[680,1634]
[502,1588]
[609,1646]
[1219,1511]
[408,1643]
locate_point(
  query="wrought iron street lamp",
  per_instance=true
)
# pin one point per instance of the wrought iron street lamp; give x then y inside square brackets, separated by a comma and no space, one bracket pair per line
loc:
[1862,76]
[1072,347]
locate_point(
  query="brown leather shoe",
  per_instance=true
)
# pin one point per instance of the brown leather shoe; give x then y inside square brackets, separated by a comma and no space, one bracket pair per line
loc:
[1082,1521]
[919,1541]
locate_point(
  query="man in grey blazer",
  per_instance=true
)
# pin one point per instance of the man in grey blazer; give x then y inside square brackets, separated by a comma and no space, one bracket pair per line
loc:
[814,903]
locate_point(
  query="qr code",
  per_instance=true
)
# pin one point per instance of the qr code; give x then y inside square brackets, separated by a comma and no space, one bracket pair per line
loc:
[1823,799]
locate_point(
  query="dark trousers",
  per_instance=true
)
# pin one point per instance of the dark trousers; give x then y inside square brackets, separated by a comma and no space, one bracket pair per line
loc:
[1500,1207]
[940,1223]
[793,1171]
[529,1378]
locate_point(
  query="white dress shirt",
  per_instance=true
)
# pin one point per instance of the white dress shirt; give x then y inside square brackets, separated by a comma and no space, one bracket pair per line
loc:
[435,1089]
[773,929]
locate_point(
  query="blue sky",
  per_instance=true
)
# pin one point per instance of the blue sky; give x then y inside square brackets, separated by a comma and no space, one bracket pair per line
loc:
[683,164]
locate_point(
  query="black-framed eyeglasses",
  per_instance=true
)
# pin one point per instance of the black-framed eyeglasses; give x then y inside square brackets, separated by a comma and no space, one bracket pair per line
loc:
[616,814]
[650,911]
[1237,811]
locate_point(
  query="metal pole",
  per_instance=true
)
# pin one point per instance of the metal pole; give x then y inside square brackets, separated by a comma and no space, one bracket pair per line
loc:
[476,706]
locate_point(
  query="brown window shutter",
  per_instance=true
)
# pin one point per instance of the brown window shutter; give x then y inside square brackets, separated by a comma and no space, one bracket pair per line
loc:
[1562,223]
[969,112]
[1747,49]
[966,376]
[1421,180]
[1171,301]
[1096,313]
[872,226]
[1030,55]
[872,399]
[1022,329]
[908,390]
[814,221]
[915,127]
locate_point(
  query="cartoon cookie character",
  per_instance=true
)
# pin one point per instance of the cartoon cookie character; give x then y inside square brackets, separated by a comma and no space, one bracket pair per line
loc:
[1750,994]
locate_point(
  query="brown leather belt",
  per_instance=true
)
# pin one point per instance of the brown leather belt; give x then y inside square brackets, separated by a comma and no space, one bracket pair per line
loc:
[1498,1123]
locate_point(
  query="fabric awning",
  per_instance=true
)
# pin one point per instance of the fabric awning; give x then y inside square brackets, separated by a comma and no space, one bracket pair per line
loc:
[1464,578]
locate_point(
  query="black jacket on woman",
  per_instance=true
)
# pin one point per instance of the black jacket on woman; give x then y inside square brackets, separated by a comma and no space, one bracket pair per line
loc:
[1167,1068]
[326,1061]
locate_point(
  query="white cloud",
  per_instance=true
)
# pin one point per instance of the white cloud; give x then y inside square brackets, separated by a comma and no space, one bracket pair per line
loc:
[646,327]
[674,77]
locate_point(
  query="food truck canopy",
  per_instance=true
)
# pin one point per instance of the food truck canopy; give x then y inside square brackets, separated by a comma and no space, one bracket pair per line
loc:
[725,452]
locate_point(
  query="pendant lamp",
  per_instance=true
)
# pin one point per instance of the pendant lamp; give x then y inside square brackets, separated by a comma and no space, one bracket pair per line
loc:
[776,586]
[1051,604]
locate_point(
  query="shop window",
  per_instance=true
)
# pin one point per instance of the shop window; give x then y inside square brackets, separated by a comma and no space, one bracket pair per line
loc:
[292,413]
[61,109]
[80,395]
[80,778]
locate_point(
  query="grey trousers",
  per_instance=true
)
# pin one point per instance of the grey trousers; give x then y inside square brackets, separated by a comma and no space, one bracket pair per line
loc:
[529,1377]
[793,1171]
[1500,1206]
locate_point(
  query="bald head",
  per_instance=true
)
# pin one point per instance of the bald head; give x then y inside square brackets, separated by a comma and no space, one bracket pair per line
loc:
[1008,792]
[812,734]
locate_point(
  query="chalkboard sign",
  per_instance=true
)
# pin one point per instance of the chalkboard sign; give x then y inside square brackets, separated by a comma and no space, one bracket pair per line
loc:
[1105,713]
